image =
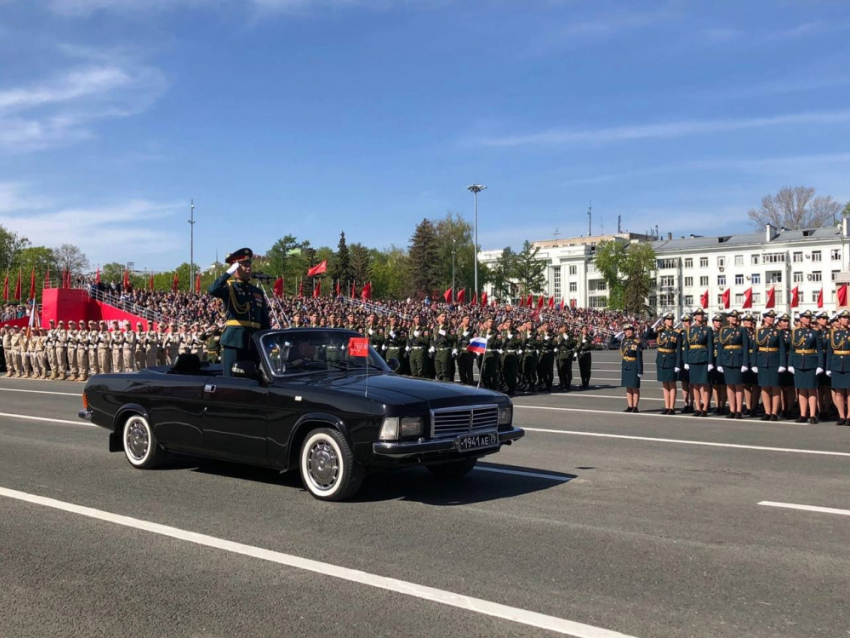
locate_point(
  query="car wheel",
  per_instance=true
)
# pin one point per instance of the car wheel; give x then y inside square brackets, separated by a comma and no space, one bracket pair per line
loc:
[453,469]
[328,468]
[140,445]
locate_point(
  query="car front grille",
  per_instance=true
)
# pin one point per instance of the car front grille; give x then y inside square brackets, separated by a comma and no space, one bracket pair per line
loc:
[454,421]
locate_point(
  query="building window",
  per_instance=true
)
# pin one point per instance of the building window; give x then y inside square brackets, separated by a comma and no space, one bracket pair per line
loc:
[573,270]
[598,302]
[591,267]
[703,262]
[834,274]
[556,284]
[665,301]
[739,299]
[774,258]
[703,281]
[797,257]
[817,256]
[721,262]
[774,277]
[739,260]
[601,285]
[835,254]
[689,282]
[797,277]
[721,280]
[573,286]
[754,260]
[689,300]
[778,298]
[817,276]
[756,278]
[756,298]
[800,296]
[689,262]
[668,263]
[739,280]
[666,280]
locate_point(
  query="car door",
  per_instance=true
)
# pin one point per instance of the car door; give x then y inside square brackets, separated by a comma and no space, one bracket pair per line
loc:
[176,410]
[235,419]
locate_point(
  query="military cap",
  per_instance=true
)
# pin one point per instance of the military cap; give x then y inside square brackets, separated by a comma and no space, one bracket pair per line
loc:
[806,313]
[699,311]
[668,315]
[138,323]
[92,322]
[628,326]
[72,322]
[822,315]
[717,317]
[239,255]
[784,317]
[686,317]
[769,313]
[748,317]
[734,313]
[843,313]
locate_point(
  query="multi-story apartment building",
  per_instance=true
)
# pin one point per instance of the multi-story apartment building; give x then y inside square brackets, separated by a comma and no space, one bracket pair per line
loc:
[809,260]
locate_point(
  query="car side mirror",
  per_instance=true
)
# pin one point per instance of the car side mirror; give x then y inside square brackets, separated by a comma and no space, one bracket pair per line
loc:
[394,364]
[245,370]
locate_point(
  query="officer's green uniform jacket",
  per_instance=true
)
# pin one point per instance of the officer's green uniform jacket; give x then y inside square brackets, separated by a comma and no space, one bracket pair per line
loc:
[838,358]
[631,367]
[806,356]
[769,355]
[668,353]
[245,310]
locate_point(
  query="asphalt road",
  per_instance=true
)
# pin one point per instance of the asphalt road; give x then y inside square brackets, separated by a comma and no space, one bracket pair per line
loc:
[642,524]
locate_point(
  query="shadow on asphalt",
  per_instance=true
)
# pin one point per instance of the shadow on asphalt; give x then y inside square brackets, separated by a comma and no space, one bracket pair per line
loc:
[410,484]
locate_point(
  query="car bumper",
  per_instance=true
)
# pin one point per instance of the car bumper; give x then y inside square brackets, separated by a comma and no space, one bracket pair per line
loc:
[406,449]
[84,414]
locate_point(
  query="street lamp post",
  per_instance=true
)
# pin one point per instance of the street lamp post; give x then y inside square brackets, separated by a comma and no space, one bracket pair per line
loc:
[454,252]
[191,243]
[475,189]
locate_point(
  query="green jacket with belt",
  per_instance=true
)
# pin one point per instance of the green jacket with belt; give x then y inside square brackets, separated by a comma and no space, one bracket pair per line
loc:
[245,308]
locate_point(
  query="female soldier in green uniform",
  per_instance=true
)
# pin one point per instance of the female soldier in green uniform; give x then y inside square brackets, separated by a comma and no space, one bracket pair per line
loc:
[668,359]
[631,351]
[698,355]
[786,379]
[682,373]
[838,364]
[806,363]
[770,355]
[734,362]
[750,377]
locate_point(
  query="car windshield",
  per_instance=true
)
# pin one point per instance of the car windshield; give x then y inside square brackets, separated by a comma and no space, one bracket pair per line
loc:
[304,351]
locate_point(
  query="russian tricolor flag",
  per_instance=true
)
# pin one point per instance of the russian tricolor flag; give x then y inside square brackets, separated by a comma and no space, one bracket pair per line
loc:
[478,345]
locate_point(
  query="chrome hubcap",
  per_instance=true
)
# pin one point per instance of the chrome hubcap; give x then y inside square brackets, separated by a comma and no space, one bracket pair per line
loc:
[323,465]
[137,440]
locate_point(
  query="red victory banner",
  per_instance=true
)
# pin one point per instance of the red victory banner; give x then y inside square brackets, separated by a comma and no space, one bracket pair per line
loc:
[461,295]
[725,298]
[175,284]
[748,298]
[475,298]
[448,295]
[198,284]
[366,293]
[353,290]
[150,283]
[301,288]
[18,286]
[820,298]
[358,347]
[795,296]
[126,280]
[483,299]
[842,295]
[551,303]
[529,301]
[278,287]
[317,290]
[541,302]
[318,270]
[703,300]
[771,298]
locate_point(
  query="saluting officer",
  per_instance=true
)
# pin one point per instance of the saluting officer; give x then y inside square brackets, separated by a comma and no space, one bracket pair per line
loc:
[698,357]
[770,355]
[464,357]
[734,361]
[511,345]
[565,346]
[806,363]
[394,344]
[489,369]
[245,308]
[631,351]
[838,364]
[668,359]
[546,366]
[443,343]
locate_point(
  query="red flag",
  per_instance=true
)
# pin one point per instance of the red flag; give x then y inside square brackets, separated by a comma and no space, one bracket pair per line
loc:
[475,298]
[551,302]
[6,288]
[820,298]
[530,301]
[483,299]
[278,287]
[126,279]
[541,301]
[18,286]
[561,305]
[353,290]
[358,347]
[97,276]
[725,297]
[842,295]
[572,303]
[366,293]
[448,295]
[337,287]
[317,290]
[461,295]
[795,296]
[318,270]
[301,288]
[771,298]
[748,298]
[150,283]
[522,302]
[175,284]
[198,284]
[47,278]
[32,285]
[703,300]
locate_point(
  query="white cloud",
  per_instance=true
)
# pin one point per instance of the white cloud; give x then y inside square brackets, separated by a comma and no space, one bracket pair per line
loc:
[665,130]
[137,227]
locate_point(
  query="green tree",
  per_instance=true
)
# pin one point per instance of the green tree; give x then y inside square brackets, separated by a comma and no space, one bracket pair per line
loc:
[38,258]
[340,265]
[112,272]
[609,259]
[390,273]
[454,235]
[846,211]
[361,264]
[10,245]
[424,259]
[636,271]
[529,269]
[502,273]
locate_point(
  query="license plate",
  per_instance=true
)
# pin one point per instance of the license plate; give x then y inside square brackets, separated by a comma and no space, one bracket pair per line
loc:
[477,441]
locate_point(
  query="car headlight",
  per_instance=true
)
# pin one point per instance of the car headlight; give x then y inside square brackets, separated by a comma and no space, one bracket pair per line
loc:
[389,429]
[411,426]
[505,414]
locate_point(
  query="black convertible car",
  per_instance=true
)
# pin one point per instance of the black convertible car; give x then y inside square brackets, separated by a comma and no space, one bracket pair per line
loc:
[310,405]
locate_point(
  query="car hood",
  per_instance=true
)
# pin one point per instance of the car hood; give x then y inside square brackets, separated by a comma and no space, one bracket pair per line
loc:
[393,389]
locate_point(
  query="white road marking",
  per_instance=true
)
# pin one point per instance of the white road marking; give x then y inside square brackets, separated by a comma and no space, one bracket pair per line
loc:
[571,395]
[468,603]
[651,439]
[61,394]
[45,419]
[654,415]
[618,379]
[807,508]
[551,477]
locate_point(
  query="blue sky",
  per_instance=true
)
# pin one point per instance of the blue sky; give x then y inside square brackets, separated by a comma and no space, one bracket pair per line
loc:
[314,116]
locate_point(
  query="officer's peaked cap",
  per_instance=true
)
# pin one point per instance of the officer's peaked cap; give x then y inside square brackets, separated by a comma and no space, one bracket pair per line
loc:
[239,255]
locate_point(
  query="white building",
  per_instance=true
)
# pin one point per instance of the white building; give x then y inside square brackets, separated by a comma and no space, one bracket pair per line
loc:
[687,267]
